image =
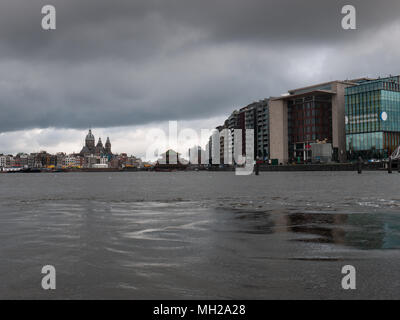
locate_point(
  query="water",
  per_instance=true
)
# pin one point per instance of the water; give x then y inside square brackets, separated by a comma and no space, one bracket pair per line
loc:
[200,235]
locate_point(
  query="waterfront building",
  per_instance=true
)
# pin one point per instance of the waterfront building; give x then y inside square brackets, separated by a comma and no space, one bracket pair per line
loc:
[247,121]
[171,157]
[209,147]
[197,156]
[10,161]
[73,161]
[41,159]
[102,162]
[34,161]
[373,118]
[309,115]
[7,161]
[221,145]
[91,160]
[60,156]
[3,161]
[21,160]
[216,145]
[133,162]
[223,139]
[254,116]
[170,160]
[122,160]
[115,163]
[31,160]
[235,121]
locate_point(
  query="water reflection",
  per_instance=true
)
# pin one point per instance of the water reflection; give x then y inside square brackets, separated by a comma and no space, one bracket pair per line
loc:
[358,230]
[258,222]
[364,231]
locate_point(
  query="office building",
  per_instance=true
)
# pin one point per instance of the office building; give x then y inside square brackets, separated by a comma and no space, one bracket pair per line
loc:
[373,118]
[306,116]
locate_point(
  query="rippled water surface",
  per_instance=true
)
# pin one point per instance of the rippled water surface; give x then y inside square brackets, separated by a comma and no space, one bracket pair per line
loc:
[200,235]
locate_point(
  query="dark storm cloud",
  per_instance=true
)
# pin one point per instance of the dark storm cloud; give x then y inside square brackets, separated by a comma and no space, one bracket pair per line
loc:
[116,63]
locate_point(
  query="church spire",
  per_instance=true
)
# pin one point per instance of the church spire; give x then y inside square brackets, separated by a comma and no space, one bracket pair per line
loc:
[99,143]
[108,146]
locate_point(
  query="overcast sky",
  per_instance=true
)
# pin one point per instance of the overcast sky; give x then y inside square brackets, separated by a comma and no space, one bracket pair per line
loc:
[123,67]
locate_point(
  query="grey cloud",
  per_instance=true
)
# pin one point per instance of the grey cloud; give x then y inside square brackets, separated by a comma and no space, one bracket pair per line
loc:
[119,63]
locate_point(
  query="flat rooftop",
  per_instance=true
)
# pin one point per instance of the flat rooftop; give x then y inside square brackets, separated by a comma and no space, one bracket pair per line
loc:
[303,94]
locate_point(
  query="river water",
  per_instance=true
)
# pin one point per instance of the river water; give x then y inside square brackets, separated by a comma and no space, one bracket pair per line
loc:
[200,235]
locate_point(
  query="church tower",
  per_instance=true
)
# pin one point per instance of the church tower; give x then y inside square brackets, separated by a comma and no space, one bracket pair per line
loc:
[108,146]
[99,147]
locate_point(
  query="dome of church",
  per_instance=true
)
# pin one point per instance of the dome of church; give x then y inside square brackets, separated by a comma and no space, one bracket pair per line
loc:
[90,136]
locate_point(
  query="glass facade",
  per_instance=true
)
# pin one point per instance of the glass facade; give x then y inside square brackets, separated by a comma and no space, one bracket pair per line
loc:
[373,118]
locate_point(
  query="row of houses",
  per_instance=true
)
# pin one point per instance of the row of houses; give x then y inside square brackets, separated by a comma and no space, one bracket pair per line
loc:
[32,160]
[60,160]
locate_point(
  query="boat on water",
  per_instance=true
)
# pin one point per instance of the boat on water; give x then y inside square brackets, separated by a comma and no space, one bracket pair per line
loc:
[52,170]
[10,170]
[169,167]
[165,169]
[31,170]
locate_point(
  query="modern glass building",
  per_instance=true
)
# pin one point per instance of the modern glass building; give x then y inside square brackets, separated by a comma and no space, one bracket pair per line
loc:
[372,118]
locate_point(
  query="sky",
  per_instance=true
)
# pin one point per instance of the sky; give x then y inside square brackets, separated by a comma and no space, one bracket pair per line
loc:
[125,68]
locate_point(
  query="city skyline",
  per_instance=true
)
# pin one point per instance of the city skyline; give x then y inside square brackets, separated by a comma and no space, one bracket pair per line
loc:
[145,139]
